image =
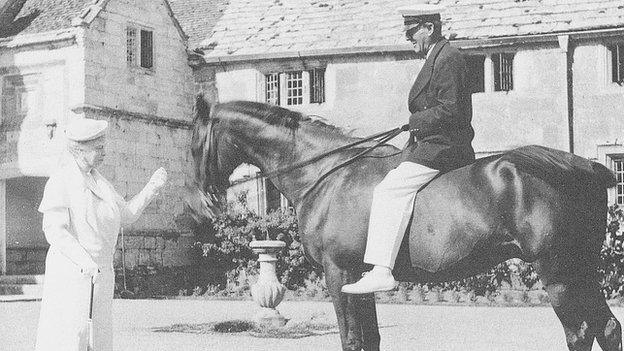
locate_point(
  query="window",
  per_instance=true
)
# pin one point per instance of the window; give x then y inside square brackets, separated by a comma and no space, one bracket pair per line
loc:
[147,51]
[475,77]
[618,168]
[139,47]
[295,87]
[317,86]
[19,98]
[269,197]
[272,89]
[503,71]
[617,63]
[131,35]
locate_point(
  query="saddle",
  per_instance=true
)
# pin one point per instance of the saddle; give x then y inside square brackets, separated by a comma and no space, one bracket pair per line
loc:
[433,242]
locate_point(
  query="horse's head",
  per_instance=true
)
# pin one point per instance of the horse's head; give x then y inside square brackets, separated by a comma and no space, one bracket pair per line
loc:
[225,135]
[212,164]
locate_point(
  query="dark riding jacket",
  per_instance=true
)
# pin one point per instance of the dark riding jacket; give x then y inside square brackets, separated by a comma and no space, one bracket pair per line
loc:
[441,107]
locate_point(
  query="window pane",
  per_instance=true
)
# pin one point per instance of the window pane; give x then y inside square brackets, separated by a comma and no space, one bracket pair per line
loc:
[294,90]
[147,53]
[272,88]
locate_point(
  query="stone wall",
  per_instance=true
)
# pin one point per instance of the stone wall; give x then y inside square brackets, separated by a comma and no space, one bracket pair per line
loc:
[166,90]
[154,248]
[28,260]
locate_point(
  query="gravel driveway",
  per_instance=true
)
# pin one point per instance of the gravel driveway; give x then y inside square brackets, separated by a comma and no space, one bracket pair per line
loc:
[404,327]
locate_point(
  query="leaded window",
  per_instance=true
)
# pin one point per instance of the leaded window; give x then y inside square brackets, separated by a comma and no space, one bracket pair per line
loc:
[317,86]
[272,88]
[618,168]
[294,88]
[503,71]
[617,63]
[139,47]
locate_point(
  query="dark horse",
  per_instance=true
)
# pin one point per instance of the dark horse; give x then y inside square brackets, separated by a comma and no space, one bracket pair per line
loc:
[541,205]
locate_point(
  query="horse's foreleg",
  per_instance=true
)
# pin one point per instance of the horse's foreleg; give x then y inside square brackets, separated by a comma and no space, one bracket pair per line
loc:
[367,316]
[345,307]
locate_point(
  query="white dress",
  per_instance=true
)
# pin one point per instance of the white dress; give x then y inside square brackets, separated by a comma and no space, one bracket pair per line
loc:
[82,214]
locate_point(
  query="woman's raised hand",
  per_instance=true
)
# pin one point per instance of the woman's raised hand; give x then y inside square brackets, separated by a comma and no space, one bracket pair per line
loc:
[158,179]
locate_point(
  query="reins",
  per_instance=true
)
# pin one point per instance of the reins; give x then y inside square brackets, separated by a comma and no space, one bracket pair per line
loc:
[381,139]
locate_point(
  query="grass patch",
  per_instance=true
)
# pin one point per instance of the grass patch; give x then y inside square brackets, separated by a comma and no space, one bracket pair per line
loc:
[290,331]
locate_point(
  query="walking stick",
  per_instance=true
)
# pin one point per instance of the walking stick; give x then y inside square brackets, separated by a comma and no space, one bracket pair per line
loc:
[90,320]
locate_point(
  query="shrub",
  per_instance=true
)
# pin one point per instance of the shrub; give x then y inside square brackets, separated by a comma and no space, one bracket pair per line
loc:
[223,247]
[223,255]
[611,266]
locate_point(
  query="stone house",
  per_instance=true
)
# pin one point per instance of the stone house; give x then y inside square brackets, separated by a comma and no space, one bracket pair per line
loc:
[545,72]
[124,61]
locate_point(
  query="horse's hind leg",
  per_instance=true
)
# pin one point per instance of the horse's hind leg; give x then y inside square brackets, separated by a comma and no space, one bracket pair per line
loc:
[608,328]
[581,308]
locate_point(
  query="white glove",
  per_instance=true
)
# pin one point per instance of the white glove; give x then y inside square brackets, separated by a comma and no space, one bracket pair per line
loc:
[158,180]
[90,270]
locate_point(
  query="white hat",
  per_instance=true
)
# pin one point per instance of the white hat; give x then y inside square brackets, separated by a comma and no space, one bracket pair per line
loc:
[421,12]
[85,129]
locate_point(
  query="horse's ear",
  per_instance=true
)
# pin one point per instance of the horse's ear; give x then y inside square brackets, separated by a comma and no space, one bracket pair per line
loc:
[202,108]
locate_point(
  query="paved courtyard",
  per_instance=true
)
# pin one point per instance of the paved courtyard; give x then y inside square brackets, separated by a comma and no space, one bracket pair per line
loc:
[404,327]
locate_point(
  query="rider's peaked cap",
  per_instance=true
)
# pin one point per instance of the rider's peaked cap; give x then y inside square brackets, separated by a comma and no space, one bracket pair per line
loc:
[421,13]
[85,129]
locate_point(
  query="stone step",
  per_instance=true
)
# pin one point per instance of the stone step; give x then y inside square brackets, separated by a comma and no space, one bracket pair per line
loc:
[21,279]
[21,289]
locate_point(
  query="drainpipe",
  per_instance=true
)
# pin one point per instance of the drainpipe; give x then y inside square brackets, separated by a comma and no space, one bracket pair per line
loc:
[564,45]
[3,258]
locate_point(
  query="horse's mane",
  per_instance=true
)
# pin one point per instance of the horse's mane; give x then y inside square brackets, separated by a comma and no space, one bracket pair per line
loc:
[270,114]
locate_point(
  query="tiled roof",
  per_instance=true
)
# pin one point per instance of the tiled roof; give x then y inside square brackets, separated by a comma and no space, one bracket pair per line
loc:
[266,27]
[500,18]
[197,17]
[44,15]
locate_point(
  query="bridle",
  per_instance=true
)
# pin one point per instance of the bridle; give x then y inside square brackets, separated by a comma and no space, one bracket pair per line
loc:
[380,138]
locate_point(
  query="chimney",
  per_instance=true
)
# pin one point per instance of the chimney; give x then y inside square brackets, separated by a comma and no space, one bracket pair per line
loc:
[9,10]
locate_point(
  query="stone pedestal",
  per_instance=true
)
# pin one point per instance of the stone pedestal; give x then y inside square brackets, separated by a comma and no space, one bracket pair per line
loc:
[268,292]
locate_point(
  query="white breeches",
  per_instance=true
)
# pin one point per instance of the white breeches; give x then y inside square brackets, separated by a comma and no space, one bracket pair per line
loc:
[393,200]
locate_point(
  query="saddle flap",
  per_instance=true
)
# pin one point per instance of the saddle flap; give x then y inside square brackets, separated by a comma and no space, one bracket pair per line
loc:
[436,242]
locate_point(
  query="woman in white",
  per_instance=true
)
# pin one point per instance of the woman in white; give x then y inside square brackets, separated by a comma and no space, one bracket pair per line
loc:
[82,215]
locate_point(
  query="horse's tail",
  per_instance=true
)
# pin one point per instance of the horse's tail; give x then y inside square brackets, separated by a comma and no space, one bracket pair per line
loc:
[559,168]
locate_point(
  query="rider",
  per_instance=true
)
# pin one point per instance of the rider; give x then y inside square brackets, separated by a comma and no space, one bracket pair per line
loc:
[440,140]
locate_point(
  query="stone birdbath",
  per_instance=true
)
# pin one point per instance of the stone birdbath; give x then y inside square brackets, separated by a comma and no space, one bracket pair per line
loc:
[268,292]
